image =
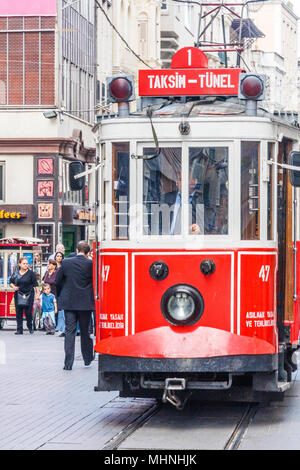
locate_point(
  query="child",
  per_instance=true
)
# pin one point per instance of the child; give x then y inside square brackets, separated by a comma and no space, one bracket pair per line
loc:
[49,308]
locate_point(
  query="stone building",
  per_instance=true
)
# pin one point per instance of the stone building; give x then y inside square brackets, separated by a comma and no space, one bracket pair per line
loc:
[47,83]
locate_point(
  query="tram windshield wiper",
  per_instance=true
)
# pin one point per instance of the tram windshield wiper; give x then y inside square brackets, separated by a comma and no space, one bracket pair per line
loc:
[149,113]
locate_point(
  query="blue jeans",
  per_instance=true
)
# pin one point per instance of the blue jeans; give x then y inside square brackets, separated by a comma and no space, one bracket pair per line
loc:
[61,324]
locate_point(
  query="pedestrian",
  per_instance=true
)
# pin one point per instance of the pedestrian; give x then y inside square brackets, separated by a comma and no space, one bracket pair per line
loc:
[74,283]
[49,308]
[37,262]
[50,275]
[59,247]
[49,278]
[26,288]
[58,257]
[60,317]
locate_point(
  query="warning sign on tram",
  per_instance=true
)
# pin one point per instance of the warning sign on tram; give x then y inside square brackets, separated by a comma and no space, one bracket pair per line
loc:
[189,82]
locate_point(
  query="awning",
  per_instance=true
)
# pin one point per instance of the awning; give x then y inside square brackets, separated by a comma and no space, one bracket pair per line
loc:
[249,30]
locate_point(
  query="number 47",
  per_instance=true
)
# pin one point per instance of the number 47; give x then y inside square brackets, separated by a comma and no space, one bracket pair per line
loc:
[264,273]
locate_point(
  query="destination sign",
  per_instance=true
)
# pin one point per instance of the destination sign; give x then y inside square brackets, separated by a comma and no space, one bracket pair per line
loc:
[189,82]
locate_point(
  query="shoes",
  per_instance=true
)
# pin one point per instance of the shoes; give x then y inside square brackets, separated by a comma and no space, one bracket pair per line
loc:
[62,335]
[67,367]
[31,332]
[18,333]
[87,363]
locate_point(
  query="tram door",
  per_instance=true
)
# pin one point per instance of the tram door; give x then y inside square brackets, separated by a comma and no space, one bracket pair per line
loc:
[285,241]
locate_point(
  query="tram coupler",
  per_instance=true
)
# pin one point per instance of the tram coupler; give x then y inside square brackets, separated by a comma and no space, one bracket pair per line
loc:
[171,386]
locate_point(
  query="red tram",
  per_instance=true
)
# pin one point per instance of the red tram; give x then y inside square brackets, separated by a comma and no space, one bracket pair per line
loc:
[197,277]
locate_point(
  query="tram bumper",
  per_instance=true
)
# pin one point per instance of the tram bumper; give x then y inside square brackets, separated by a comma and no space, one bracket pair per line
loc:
[198,357]
[183,343]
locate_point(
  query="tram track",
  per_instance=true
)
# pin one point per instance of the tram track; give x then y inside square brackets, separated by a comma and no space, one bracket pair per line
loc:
[232,443]
[115,442]
[239,432]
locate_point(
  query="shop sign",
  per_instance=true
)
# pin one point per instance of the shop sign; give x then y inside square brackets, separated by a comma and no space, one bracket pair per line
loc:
[11,215]
[86,215]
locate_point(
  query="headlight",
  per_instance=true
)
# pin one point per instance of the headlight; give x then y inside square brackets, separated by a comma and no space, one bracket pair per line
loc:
[182,305]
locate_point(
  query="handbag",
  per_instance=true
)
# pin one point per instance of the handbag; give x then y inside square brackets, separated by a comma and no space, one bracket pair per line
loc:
[23,299]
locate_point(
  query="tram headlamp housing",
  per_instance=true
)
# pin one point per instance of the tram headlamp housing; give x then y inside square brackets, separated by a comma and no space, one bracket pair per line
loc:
[182,305]
[252,87]
[120,88]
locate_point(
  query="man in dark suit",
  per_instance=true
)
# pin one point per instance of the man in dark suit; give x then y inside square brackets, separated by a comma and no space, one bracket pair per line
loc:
[74,282]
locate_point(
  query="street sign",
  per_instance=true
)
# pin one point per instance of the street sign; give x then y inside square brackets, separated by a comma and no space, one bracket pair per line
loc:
[189,82]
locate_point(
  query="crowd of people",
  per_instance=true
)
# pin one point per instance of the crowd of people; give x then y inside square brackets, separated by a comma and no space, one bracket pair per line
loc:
[63,296]
[33,291]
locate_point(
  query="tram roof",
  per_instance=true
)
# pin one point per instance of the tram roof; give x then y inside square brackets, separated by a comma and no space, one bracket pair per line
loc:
[209,106]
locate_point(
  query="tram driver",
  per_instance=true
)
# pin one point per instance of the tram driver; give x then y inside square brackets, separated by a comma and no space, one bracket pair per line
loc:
[207,192]
[173,200]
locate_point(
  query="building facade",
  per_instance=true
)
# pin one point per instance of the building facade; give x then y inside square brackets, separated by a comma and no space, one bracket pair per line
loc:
[47,110]
[276,54]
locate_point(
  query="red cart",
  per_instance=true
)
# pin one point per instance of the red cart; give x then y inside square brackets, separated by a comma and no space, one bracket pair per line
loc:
[11,250]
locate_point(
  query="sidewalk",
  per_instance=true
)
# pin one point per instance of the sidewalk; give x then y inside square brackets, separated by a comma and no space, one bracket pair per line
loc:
[45,407]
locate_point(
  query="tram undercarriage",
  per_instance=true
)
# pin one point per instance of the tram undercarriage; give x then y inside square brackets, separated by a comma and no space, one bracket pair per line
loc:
[233,378]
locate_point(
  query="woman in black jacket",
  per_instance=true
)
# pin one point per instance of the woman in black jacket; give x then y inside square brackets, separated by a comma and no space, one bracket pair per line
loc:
[25,285]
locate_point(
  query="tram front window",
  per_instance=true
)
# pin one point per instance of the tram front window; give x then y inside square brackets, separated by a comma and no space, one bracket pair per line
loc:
[207,182]
[208,190]
[161,192]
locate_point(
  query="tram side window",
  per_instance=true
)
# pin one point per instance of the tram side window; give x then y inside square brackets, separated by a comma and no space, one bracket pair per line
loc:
[120,191]
[162,192]
[250,197]
[208,190]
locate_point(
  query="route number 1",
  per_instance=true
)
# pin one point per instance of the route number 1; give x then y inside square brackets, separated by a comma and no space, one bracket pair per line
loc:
[264,273]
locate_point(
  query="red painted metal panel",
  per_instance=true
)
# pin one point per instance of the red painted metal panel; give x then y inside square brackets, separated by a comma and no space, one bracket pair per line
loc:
[239,298]
[113,295]
[257,296]
[183,268]
[184,342]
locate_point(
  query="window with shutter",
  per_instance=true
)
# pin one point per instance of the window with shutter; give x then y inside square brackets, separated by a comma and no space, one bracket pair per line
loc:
[143,38]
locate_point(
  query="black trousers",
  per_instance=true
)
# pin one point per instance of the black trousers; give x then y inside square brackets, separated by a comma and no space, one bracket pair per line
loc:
[19,317]
[87,348]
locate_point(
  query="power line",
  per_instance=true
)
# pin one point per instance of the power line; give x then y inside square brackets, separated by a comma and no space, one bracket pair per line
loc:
[120,36]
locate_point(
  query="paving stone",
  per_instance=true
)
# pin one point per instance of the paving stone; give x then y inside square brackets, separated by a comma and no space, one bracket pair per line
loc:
[44,407]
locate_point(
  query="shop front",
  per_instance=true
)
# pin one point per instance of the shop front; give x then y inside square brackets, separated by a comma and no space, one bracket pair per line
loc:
[17,220]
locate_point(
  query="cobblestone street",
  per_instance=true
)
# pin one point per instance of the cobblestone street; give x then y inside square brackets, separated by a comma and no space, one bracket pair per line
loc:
[45,407]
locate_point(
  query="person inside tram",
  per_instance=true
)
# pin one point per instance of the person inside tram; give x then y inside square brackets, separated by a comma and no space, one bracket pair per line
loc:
[208,168]
[207,192]
[174,200]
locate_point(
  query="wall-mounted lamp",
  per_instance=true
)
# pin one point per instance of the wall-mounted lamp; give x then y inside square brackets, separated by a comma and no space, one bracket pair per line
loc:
[50,114]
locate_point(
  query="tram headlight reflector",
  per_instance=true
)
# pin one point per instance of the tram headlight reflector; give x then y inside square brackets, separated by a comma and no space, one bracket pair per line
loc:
[182,305]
